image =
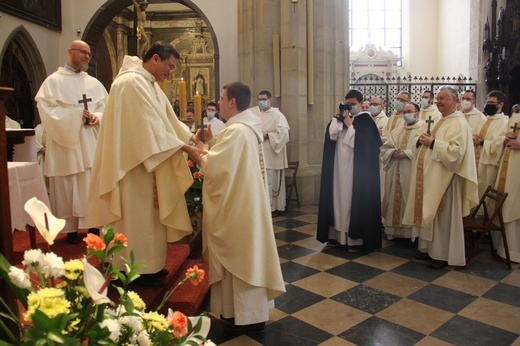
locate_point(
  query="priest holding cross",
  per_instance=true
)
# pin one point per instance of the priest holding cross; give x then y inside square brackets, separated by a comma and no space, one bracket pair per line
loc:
[443,184]
[70,104]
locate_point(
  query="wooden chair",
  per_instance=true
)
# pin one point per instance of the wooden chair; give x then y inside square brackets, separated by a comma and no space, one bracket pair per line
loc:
[488,222]
[290,182]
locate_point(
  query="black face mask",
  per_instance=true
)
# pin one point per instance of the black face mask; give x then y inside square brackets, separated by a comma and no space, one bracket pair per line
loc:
[490,109]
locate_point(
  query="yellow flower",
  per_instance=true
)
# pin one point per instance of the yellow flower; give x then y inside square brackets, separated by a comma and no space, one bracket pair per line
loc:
[154,321]
[74,269]
[51,301]
[139,304]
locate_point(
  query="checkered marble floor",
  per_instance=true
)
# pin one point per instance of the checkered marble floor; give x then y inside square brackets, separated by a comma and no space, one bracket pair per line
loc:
[383,297]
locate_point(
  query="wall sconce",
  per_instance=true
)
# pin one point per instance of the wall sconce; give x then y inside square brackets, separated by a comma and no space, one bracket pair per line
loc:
[294,2]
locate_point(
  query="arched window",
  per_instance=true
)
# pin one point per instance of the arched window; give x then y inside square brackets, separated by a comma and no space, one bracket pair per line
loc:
[376,21]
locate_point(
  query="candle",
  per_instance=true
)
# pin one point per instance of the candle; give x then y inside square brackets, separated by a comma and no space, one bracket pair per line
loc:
[182,99]
[197,103]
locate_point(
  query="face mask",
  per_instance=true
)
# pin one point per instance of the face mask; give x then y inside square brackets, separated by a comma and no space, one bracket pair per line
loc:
[354,110]
[466,104]
[409,118]
[263,104]
[490,109]
[210,115]
[425,103]
[374,110]
[398,106]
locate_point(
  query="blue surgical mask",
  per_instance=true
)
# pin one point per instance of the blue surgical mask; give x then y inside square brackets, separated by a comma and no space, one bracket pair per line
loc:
[374,110]
[354,110]
[425,103]
[210,115]
[409,118]
[263,104]
[398,106]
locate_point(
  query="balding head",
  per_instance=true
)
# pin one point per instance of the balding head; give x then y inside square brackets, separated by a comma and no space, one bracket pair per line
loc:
[79,55]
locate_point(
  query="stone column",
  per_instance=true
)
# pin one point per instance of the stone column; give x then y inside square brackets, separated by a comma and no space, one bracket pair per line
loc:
[259,20]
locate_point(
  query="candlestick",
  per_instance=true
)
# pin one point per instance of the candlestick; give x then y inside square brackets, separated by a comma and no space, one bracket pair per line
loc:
[183,104]
[197,104]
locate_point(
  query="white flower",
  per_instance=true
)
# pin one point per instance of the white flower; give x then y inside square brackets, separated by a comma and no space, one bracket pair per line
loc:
[209,343]
[52,265]
[113,326]
[32,259]
[38,211]
[134,322]
[19,277]
[204,328]
[144,339]
[95,283]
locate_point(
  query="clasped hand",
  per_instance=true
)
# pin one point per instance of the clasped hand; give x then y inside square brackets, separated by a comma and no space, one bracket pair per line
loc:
[426,139]
[93,119]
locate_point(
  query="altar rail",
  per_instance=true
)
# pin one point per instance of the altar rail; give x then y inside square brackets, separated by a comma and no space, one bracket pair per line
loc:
[389,88]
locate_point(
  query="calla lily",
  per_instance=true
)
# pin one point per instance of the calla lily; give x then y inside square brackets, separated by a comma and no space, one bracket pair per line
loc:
[95,283]
[204,328]
[39,212]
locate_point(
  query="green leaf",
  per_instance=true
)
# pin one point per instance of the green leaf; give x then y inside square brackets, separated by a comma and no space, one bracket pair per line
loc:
[115,248]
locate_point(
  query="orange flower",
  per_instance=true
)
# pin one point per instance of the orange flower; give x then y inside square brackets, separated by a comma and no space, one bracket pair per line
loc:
[94,242]
[179,322]
[120,237]
[195,275]
[196,175]
[190,163]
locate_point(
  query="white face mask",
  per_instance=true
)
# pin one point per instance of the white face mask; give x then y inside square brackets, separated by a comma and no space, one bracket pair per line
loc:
[210,115]
[409,118]
[263,104]
[466,104]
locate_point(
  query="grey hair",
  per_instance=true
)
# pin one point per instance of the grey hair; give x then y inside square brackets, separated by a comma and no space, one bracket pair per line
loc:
[451,90]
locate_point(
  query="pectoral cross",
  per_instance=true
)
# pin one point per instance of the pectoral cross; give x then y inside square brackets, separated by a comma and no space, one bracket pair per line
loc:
[515,128]
[429,122]
[85,100]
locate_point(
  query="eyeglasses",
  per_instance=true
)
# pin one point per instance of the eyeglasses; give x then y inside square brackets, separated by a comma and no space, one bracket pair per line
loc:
[170,66]
[375,104]
[492,103]
[263,99]
[467,99]
[84,52]
[402,100]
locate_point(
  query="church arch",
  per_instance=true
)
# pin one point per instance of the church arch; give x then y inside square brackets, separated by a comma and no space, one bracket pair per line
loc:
[28,74]
[101,19]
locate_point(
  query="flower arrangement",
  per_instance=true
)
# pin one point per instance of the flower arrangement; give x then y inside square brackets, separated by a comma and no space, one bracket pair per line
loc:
[67,303]
[194,194]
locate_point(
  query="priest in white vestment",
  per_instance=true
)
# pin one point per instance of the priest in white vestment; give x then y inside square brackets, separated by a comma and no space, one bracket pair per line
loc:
[428,108]
[140,172]
[238,237]
[508,181]
[378,114]
[474,117]
[443,185]
[396,119]
[489,140]
[210,119]
[71,130]
[396,155]
[275,130]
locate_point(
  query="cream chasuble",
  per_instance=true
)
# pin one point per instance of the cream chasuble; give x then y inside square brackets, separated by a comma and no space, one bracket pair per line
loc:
[476,120]
[431,111]
[238,236]
[216,125]
[140,175]
[381,120]
[487,156]
[275,154]
[444,188]
[508,181]
[397,181]
[396,120]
